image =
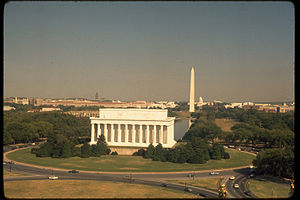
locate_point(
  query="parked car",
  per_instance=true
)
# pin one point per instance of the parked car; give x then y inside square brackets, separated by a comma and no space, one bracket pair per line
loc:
[53,177]
[251,175]
[202,194]
[188,189]
[164,185]
[73,171]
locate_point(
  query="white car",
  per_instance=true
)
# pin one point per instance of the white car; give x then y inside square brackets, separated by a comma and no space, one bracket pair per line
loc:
[232,178]
[236,186]
[53,177]
[214,173]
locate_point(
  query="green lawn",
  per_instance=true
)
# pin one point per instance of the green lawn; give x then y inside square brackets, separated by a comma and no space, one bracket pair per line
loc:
[56,189]
[129,163]
[268,189]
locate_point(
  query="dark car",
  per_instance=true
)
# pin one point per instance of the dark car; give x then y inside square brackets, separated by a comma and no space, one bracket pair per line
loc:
[202,194]
[73,171]
[164,185]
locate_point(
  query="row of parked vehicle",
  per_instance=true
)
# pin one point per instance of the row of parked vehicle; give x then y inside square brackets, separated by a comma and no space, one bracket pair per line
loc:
[243,148]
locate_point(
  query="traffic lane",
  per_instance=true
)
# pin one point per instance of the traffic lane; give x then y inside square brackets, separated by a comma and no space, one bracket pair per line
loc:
[183,175]
[243,187]
[238,192]
[150,175]
[231,190]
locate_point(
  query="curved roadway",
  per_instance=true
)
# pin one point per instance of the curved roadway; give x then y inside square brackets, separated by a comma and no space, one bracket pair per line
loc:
[147,178]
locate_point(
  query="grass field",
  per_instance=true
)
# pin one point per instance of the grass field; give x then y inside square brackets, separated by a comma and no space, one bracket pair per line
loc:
[129,163]
[267,189]
[208,183]
[86,189]
[226,124]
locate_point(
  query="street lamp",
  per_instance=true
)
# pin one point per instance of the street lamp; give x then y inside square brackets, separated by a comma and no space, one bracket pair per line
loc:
[194,174]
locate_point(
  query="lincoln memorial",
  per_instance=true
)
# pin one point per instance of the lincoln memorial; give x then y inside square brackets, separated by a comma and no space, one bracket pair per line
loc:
[133,128]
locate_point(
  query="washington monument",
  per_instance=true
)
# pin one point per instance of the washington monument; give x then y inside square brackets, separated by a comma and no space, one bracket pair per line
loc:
[192,91]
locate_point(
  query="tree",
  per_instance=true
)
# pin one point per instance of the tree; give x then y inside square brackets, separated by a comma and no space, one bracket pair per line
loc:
[217,152]
[276,162]
[76,151]
[149,151]
[159,154]
[15,130]
[7,138]
[66,151]
[85,150]
[44,129]
[45,150]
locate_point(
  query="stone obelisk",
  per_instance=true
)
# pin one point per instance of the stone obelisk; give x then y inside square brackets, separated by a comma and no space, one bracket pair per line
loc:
[192,91]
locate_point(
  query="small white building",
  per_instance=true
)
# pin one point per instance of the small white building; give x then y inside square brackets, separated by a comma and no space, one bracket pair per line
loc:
[133,127]
[50,109]
[8,108]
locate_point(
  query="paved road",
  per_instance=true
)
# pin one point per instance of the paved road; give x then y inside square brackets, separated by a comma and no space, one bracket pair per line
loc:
[147,178]
[153,179]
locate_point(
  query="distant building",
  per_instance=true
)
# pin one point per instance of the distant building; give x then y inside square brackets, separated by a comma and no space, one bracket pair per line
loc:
[234,105]
[34,110]
[8,108]
[263,107]
[84,113]
[201,102]
[50,109]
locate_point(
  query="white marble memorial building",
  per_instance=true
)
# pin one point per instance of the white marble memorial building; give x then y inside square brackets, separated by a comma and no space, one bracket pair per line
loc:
[133,127]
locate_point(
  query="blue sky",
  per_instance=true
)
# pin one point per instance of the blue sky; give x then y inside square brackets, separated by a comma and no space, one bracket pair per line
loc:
[144,50]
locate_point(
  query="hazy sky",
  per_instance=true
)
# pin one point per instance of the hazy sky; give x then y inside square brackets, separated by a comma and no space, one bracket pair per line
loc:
[241,51]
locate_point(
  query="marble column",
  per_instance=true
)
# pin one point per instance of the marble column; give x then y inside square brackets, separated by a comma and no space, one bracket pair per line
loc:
[126,133]
[154,135]
[119,133]
[92,133]
[112,133]
[99,131]
[161,134]
[133,132]
[105,131]
[147,134]
[140,133]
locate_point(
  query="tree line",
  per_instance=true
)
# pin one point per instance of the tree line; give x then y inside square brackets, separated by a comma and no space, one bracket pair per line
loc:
[273,132]
[24,127]
[197,151]
[59,146]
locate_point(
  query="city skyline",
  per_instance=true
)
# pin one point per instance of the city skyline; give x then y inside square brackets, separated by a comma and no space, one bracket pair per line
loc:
[144,51]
